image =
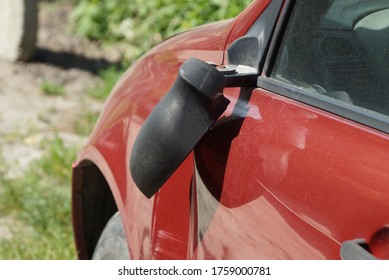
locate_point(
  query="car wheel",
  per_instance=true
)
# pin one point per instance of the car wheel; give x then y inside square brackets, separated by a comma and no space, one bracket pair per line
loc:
[112,244]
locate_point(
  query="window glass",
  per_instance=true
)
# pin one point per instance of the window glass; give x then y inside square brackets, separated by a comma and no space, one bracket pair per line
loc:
[338,48]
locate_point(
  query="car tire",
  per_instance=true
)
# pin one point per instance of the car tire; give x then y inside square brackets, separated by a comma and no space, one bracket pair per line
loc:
[112,244]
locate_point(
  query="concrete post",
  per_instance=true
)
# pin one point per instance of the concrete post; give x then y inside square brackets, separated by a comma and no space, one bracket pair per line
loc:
[18,29]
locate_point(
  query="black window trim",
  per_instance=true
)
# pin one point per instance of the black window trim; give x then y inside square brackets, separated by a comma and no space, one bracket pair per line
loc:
[277,37]
[354,113]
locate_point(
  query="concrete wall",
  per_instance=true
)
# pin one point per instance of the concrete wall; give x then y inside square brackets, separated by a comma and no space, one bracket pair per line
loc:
[18,29]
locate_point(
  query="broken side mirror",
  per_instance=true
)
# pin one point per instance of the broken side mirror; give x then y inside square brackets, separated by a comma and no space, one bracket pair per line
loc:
[186,113]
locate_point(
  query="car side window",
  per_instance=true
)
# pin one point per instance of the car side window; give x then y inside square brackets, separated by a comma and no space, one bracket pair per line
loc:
[340,49]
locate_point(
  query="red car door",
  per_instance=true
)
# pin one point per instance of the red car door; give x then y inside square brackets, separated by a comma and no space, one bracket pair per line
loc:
[298,167]
[173,218]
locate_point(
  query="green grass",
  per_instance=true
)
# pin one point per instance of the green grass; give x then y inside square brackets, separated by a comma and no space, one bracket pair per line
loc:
[40,201]
[52,89]
[37,204]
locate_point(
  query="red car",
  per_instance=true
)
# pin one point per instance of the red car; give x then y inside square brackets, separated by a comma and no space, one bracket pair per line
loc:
[260,137]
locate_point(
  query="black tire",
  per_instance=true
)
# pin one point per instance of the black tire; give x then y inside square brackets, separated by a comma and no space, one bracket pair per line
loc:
[112,244]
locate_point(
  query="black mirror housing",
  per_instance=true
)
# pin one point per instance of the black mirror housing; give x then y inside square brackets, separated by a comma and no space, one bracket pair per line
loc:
[177,124]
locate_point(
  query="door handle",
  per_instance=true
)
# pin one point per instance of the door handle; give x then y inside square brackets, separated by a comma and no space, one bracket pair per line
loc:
[356,249]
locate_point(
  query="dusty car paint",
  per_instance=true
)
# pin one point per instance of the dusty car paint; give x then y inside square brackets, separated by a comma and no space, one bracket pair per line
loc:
[302,191]
[130,103]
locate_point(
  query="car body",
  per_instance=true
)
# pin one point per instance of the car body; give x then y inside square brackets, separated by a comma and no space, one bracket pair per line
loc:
[295,168]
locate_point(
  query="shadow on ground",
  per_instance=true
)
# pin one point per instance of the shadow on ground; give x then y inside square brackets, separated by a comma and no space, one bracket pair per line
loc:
[68,60]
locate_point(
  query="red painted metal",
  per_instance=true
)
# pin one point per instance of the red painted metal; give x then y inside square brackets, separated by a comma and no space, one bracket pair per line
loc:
[246,19]
[287,181]
[110,144]
[294,182]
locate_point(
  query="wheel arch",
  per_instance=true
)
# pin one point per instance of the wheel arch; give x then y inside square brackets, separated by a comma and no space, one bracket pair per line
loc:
[93,204]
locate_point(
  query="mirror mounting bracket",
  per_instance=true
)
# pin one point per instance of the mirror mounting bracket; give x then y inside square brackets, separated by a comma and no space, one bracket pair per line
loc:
[180,120]
[239,75]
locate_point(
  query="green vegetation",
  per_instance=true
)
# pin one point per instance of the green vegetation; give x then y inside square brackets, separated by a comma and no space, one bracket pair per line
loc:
[36,205]
[39,201]
[142,24]
[50,88]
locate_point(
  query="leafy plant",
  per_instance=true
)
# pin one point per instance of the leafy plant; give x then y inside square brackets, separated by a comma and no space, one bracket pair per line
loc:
[145,23]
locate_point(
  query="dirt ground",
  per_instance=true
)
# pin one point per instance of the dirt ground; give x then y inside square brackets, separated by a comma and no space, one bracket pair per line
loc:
[28,115]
